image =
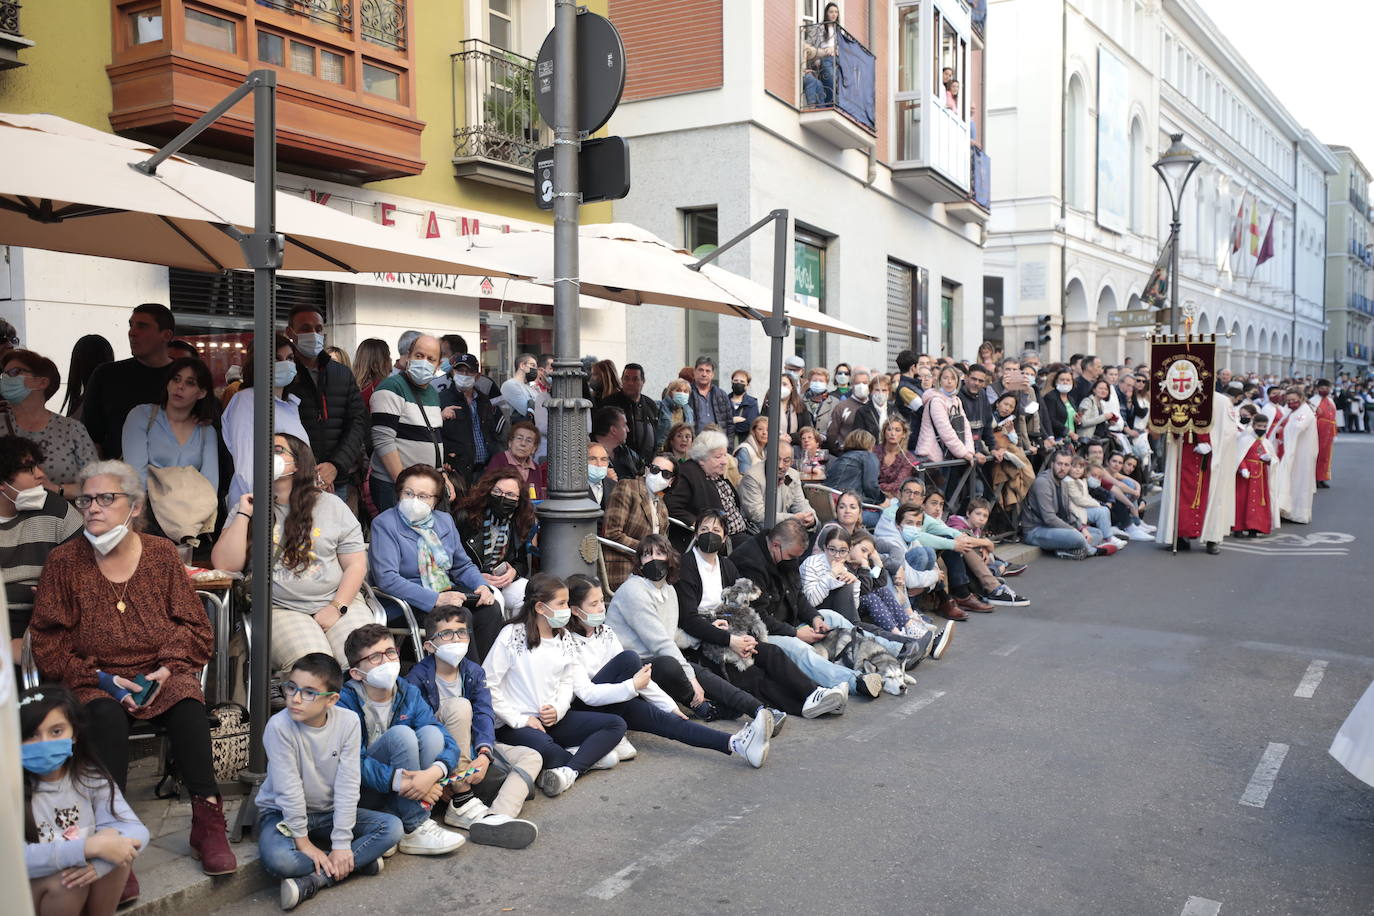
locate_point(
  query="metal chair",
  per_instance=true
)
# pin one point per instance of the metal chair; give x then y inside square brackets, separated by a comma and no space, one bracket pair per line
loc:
[605,544]
[385,606]
[28,668]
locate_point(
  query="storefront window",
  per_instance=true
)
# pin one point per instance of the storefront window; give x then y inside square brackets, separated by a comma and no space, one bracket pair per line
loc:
[509,329]
[808,283]
[701,235]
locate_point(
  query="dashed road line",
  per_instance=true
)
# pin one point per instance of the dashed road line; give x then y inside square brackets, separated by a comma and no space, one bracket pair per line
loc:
[909,707]
[1201,906]
[1311,678]
[1266,771]
[613,885]
[1007,650]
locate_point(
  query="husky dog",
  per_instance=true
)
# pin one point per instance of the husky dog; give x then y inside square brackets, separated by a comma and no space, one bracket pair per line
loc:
[857,650]
[736,609]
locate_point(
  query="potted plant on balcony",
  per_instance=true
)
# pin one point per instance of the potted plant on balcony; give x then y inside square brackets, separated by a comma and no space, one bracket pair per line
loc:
[510,112]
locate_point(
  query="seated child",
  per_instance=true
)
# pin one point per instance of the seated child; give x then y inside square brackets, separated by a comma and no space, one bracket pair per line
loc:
[983,565]
[407,755]
[455,687]
[80,836]
[309,801]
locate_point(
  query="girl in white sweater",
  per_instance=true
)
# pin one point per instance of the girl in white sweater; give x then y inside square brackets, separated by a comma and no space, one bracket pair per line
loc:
[533,674]
[604,660]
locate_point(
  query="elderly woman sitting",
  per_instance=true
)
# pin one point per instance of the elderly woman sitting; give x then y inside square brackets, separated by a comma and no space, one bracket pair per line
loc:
[417,556]
[701,484]
[116,620]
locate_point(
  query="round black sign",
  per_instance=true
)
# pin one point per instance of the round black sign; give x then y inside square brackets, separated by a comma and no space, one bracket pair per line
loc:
[600,73]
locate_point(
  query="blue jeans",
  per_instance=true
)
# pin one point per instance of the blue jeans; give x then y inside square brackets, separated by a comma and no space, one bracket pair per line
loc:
[920,557]
[1100,519]
[1055,538]
[839,622]
[373,834]
[819,668]
[405,748]
[594,734]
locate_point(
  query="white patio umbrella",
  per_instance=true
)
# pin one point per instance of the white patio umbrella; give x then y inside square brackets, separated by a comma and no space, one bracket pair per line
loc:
[67,187]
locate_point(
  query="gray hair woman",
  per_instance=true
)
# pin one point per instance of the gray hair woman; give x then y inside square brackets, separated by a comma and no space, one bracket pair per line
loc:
[701,484]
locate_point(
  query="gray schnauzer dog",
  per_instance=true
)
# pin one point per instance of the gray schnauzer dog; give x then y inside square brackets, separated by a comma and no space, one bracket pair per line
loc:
[857,650]
[736,609]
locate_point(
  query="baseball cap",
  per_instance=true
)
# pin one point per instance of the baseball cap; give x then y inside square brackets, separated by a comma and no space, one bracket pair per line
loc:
[464,361]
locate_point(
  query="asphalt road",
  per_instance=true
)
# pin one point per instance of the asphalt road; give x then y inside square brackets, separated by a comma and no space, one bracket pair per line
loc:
[1088,754]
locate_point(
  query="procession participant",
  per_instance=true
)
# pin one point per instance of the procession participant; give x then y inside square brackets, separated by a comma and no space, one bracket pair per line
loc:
[1273,408]
[1256,512]
[1193,462]
[1326,431]
[1295,478]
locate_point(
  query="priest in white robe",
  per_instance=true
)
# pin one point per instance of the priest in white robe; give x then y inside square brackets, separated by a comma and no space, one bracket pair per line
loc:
[1295,479]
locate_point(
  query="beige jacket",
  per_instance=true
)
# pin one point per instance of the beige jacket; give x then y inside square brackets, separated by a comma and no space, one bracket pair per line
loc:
[791,499]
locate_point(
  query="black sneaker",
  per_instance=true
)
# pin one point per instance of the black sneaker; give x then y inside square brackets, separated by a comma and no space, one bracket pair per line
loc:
[706,711]
[1013,569]
[941,641]
[1080,553]
[371,869]
[295,891]
[1005,597]
[779,717]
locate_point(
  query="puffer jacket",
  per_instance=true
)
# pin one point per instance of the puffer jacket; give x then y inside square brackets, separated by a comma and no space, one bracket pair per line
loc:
[333,414]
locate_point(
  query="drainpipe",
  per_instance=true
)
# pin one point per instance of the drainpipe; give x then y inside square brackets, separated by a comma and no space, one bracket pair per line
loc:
[1063,171]
[872,150]
[1293,338]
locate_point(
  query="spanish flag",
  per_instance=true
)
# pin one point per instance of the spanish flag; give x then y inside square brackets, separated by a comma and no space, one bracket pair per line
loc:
[1254,228]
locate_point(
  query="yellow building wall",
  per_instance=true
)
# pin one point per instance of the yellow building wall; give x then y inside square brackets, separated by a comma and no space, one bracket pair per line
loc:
[64,72]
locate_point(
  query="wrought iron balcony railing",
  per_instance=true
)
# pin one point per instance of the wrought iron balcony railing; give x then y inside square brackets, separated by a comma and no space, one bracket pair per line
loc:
[336,13]
[495,116]
[9,17]
[382,22]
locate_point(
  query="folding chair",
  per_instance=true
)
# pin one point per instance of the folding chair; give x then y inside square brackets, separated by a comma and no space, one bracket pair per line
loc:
[386,608]
[615,547]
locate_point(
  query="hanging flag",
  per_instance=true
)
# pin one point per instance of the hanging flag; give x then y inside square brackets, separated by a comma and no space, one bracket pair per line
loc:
[1238,226]
[1254,227]
[1267,249]
[1157,287]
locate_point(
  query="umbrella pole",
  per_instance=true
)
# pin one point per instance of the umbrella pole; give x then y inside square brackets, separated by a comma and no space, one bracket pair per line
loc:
[567,535]
[777,329]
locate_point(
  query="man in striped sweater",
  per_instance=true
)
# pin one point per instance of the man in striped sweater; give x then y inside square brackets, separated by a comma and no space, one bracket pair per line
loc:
[33,520]
[407,421]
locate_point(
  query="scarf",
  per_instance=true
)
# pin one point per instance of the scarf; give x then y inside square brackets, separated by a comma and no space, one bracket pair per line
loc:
[434,560]
[495,536]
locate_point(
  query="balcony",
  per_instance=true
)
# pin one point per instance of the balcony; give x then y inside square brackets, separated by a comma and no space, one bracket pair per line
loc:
[346,96]
[1357,351]
[933,132]
[837,87]
[1362,303]
[11,41]
[496,126]
[977,207]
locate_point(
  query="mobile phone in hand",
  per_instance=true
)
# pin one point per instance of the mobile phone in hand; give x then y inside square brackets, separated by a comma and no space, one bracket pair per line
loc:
[147,689]
[501,570]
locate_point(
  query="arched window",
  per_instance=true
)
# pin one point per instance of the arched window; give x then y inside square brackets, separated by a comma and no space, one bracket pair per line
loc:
[1139,171]
[1075,140]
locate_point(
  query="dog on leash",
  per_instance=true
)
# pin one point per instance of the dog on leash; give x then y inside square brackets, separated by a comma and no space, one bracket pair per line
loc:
[736,608]
[857,650]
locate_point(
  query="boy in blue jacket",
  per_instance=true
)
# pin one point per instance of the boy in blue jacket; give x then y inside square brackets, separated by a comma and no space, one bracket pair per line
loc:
[455,687]
[407,755]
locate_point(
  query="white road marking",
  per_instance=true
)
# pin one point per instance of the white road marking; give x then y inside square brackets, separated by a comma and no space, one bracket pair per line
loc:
[1287,551]
[1311,679]
[616,884]
[909,707]
[1007,650]
[1266,771]
[1201,906]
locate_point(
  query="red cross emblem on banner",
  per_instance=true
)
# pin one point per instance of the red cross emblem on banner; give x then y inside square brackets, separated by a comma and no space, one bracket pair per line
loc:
[1182,382]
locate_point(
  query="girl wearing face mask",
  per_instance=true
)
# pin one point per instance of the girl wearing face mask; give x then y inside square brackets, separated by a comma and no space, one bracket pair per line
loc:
[795,416]
[744,405]
[533,675]
[494,522]
[674,409]
[417,557]
[603,660]
[945,432]
[81,837]
[237,423]
[636,510]
[27,382]
[1058,415]
[116,605]
[319,559]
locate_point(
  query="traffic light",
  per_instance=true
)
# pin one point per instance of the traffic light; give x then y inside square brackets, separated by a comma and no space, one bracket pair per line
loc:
[1042,331]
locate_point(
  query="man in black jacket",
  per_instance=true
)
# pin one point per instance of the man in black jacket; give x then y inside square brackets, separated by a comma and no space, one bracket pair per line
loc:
[771,562]
[331,407]
[978,413]
[641,413]
[612,432]
[709,403]
[471,438]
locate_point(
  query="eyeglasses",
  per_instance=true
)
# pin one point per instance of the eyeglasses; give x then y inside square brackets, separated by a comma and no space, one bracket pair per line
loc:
[16,371]
[308,694]
[105,500]
[376,658]
[504,495]
[665,473]
[447,636]
[12,340]
[408,493]
[837,551]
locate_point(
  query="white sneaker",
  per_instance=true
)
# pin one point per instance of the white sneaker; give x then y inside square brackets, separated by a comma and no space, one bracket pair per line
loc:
[1117,542]
[1137,533]
[465,816]
[1117,532]
[824,700]
[429,839]
[751,742]
[556,781]
[605,763]
[625,750]
[505,831]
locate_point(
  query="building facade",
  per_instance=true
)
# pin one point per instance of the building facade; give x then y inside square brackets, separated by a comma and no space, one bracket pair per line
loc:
[1079,221]
[416,114]
[735,109]
[1349,266]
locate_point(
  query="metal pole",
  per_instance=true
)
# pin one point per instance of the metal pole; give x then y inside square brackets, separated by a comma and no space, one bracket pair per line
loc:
[777,330]
[569,514]
[1173,271]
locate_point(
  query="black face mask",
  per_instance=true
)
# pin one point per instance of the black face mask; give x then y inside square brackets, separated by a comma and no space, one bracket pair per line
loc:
[737,387]
[531,374]
[594,387]
[502,506]
[654,570]
[709,542]
[1244,421]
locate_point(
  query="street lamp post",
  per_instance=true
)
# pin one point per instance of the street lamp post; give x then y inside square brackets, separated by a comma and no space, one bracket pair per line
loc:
[1175,166]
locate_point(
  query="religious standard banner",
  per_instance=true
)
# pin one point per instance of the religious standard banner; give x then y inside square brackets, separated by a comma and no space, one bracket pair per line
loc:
[1182,385]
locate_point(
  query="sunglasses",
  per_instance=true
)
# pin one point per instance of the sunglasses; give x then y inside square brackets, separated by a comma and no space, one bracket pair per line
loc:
[662,472]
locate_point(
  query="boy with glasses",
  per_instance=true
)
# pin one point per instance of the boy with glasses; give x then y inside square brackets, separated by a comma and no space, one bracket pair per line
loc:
[407,756]
[309,801]
[455,687]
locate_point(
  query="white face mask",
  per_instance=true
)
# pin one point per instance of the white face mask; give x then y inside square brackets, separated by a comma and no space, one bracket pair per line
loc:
[104,543]
[463,382]
[786,391]
[451,653]
[860,391]
[880,399]
[278,467]
[658,483]
[30,499]
[283,372]
[384,676]
[1063,388]
[414,510]
[310,344]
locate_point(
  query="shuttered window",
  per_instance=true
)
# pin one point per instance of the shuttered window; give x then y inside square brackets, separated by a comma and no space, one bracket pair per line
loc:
[906,306]
[225,300]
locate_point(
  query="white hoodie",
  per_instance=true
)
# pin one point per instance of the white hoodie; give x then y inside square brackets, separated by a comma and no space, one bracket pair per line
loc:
[521,679]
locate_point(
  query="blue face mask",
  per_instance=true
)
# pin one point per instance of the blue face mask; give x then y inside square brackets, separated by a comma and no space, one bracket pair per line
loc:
[680,398]
[910,533]
[596,472]
[283,373]
[14,389]
[816,387]
[444,366]
[42,757]
[420,371]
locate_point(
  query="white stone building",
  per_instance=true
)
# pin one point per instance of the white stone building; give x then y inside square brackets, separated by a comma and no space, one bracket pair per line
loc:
[1349,265]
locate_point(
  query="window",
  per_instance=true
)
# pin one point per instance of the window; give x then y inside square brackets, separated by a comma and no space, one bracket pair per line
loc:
[381,81]
[303,58]
[332,67]
[907,98]
[701,236]
[501,23]
[1075,136]
[212,31]
[271,49]
[145,26]
[808,283]
[947,294]
[906,309]
[1139,172]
